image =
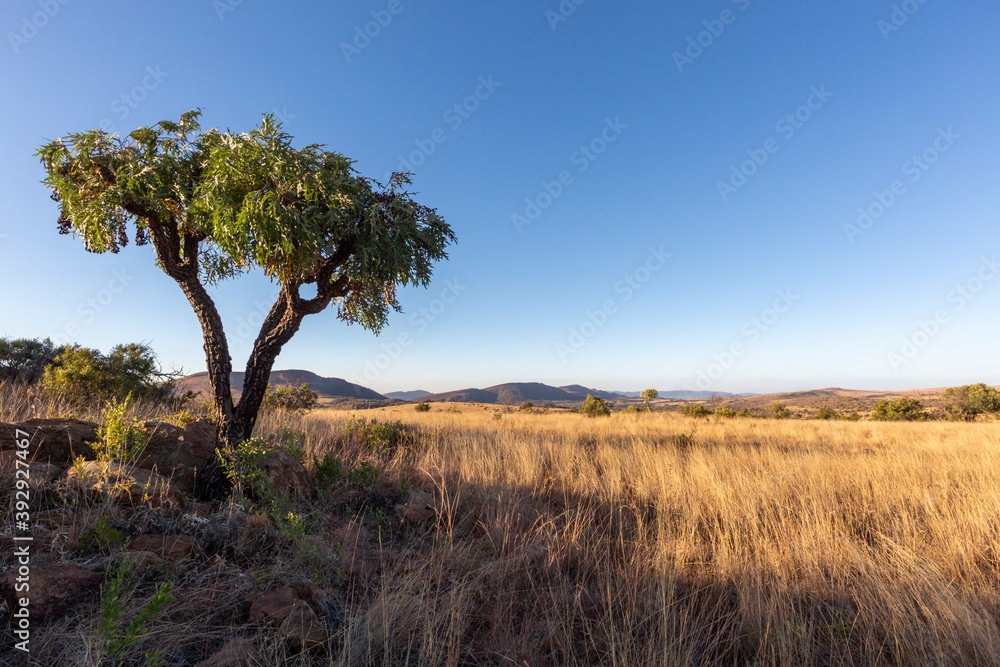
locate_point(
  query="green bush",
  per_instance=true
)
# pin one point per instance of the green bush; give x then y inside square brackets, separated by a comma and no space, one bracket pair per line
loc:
[526,407]
[595,407]
[900,409]
[971,400]
[290,398]
[423,407]
[83,373]
[383,438]
[725,411]
[779,411]
[695,410]
[116,640]
[25,360]
[634,409]
[826,412]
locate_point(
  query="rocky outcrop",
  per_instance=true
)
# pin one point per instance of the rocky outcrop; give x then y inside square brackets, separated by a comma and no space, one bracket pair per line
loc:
[299,624]
[52,440]
[55,587]
[237,653]
[138,485]
[286,476]
[178,453]
[171,547]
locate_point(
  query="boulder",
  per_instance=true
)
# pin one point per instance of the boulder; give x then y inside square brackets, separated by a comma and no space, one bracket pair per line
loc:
[300,625]
[178,453]
[36,471]
[138,484]
[54,588]
[237,653]
[174,547]
[52,440]
[286,475]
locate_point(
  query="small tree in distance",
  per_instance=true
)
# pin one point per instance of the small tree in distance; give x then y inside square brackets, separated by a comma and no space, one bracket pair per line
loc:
[649,394]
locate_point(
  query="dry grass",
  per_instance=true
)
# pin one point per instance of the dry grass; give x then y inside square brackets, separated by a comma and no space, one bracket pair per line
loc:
[642,539]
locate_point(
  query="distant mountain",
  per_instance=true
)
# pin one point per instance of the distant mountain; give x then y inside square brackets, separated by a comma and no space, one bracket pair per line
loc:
[325,387]
[515,393]
[408,395]
[683,394]
[582,391]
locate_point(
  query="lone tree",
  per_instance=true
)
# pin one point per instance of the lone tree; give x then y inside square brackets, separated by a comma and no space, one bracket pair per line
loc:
[648,394]
[215,205]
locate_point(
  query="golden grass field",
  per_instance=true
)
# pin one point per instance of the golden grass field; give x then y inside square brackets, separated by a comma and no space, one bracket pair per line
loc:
[640,539]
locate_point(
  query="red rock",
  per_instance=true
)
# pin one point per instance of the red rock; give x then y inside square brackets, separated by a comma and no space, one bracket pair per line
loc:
[53,589]
[178,453]
[52,440]
[274,606]
[138,484]
[303,629]
[286,475]
[167,546]
[237,653]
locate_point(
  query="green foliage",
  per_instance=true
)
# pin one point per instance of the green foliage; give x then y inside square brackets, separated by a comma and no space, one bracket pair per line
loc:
[779,411]
[383,438]
[744,413]
[290,399]
[695,410]
[826,412]
[595,407]
[24,360]
[422,407]
[526,407]
[115,639]
[904,408]
[84,373]
[971,400]
[725,411]
[634,409]
[122,436]
[101,538]
[331,470]
[246,201]
[243,465]
[293,442]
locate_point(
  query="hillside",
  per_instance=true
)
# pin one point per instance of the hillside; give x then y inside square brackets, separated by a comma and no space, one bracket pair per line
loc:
[408,395]
[515,393]
[325,387]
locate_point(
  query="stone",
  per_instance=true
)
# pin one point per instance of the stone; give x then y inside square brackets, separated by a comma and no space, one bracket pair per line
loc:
[36,471]
[303,630]
[286,475]
[274,605]
[178,453]
[52,440]
[145,559]
[300,625]
[237,653]
[172,547]
[137,484]
[54,588]
[414,514]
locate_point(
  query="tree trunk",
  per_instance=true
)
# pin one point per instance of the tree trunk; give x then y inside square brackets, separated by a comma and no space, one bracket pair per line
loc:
[278,328]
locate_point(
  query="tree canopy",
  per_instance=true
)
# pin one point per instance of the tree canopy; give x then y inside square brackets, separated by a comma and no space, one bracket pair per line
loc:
[216,205]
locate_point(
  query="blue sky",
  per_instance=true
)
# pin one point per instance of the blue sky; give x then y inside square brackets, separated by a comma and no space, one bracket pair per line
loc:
[653,194]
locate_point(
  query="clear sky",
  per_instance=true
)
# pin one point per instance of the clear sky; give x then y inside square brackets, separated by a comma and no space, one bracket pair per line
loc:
[734,195]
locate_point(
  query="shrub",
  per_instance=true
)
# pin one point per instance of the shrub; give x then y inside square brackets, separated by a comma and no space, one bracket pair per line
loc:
[695,410]
[634,409]
[526,407]
[83,373]
[779,411]
[290,398]
[382,438]
[744,413]
[971,400]
[595,407]
[115,639]
[24,360]
[725,411]
[422,407]
[900,409]
[826,412]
